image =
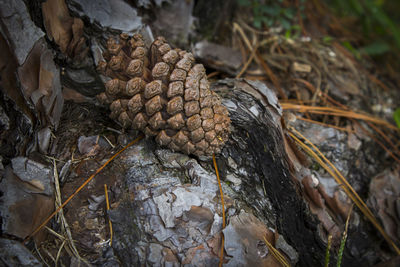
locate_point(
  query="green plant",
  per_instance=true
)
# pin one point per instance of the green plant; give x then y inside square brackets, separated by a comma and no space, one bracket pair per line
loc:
[396,117]
[344,238]
[327,39]
[341,250]
[271,13]
[327,252]
[293,32]
[352,49]
[378,27]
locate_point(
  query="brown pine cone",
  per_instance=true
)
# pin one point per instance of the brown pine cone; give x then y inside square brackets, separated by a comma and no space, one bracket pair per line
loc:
[162,92]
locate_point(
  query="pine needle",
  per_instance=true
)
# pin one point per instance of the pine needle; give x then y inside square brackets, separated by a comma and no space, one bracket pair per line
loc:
[376,140]
[221,258]
[108,208]
[325,124]
[247,64]
[65,230]
[40,255]
[260,60]
[51,231]
[81,187]
[345,112]
[59,251]
[276,253]
[337,112]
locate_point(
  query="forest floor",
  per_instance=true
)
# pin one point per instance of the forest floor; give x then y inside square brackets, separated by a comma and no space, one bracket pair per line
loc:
[338,133]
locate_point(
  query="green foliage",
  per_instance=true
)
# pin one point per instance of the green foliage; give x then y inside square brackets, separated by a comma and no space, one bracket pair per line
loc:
[271,13]
[377,26]
[293,32]
[327,39]
[327,251]
[341,249]
[353,50]
[375,48]
[396,117]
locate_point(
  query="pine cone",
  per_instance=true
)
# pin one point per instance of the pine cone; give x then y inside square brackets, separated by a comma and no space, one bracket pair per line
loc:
[162,92]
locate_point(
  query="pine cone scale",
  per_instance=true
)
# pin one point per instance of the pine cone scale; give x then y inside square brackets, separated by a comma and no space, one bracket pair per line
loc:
[162,92]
